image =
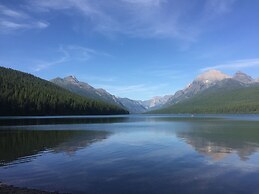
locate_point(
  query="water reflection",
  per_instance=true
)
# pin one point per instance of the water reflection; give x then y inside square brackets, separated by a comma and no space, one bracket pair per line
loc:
[218,139]
[22,144]
[135,154]
[43,120]
[18,121]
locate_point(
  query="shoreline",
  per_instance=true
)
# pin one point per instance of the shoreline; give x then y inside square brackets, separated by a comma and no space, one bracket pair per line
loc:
[10,189]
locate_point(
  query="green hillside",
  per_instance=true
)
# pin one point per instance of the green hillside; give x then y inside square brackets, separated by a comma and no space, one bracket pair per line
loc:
[25,94]
[225,99]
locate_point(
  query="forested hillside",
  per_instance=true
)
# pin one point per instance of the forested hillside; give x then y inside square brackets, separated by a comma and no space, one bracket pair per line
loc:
[226,99]
[25,94]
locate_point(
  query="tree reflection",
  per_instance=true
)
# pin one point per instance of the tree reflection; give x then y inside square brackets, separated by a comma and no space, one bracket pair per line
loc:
[22,144]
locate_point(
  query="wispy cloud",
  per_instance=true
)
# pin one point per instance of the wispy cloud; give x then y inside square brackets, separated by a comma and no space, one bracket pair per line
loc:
[69,53]
[235,65]
[46,64]
[6,25]
[11,13]
[84,53]
[143,18]
[218,7]
[11,20]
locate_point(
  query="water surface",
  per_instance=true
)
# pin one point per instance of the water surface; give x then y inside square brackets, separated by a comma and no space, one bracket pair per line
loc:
[132,154]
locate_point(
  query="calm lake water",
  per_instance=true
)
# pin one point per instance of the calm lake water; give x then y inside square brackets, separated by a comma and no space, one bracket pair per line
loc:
[132,154]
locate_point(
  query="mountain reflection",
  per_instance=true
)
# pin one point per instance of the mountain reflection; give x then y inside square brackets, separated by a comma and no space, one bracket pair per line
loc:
[23,144]
[220,138]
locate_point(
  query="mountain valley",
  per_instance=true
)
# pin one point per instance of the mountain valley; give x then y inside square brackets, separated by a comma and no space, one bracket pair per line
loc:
[210,92]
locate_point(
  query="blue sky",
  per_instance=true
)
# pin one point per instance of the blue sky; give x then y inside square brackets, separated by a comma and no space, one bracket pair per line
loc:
[131,48]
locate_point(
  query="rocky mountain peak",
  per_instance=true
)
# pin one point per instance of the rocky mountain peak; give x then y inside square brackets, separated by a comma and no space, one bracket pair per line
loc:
[211,76]
[201,83]
[242,77]
[71,79]
[84,89]
[156,101]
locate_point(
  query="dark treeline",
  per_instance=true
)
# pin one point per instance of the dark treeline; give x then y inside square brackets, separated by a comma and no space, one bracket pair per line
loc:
[25,94]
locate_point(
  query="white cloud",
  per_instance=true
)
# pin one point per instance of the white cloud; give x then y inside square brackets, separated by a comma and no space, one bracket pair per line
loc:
[11,20]
[218,7]
[12,13]
[144,2]
[11,25]
[84,53]
[6,25]
[46,64]
[143,18]
[235,65]
[41,24]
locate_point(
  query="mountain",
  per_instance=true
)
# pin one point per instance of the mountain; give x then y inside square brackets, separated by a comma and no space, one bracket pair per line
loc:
[242,77]
[201,83]
[226,96]
[211,76]
[25,94]
[155,102]
[132,105]
[72,84]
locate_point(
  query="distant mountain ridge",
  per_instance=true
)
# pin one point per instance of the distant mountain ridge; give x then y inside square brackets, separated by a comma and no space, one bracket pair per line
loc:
[244,78]
[204,81]
[216,94]
[155,102]
[133,106]
[72,84]
[201,83]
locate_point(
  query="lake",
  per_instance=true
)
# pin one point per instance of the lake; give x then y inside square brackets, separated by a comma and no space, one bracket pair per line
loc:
[132,154]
